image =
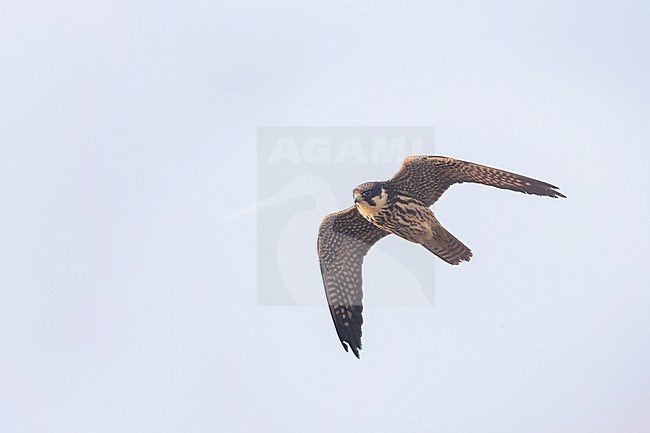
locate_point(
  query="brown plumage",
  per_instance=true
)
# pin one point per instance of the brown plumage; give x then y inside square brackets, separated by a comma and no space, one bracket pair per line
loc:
[399,206]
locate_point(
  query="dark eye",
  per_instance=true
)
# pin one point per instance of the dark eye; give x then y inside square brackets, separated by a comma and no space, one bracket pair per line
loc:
[366,193]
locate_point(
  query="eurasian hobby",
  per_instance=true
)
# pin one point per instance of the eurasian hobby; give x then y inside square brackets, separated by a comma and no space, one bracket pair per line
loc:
[399,206]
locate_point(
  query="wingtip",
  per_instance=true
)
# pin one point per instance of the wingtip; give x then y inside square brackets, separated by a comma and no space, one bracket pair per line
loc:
[547,190]
[554,192]
[355,350]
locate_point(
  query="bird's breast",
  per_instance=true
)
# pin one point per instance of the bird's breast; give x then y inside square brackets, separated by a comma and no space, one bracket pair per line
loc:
[406,217]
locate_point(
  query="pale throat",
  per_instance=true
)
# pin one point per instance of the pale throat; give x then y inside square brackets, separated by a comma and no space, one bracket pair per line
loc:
[367,210]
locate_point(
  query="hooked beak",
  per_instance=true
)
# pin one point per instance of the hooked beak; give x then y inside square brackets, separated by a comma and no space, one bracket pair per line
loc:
[357,199]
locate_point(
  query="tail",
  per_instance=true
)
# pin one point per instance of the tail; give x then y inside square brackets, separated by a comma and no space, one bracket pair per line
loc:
[445,245]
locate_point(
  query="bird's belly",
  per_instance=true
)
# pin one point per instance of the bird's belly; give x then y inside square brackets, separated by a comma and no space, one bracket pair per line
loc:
[410,223]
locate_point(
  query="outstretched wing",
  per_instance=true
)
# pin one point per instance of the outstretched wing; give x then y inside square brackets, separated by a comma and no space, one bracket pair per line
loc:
[344,238]
[428,177]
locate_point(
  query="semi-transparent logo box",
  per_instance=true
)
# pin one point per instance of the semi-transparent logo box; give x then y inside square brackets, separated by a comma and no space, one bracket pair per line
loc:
[305,173]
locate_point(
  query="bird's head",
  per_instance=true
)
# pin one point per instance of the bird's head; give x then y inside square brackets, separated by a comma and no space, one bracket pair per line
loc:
[370,197]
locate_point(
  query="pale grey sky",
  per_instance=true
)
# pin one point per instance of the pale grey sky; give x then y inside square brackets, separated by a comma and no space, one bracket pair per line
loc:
[128,131]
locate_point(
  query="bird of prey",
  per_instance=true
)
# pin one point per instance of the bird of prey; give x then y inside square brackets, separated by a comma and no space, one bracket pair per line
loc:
[399,206]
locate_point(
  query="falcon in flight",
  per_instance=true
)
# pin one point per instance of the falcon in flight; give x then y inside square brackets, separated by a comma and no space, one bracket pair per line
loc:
[399,206]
